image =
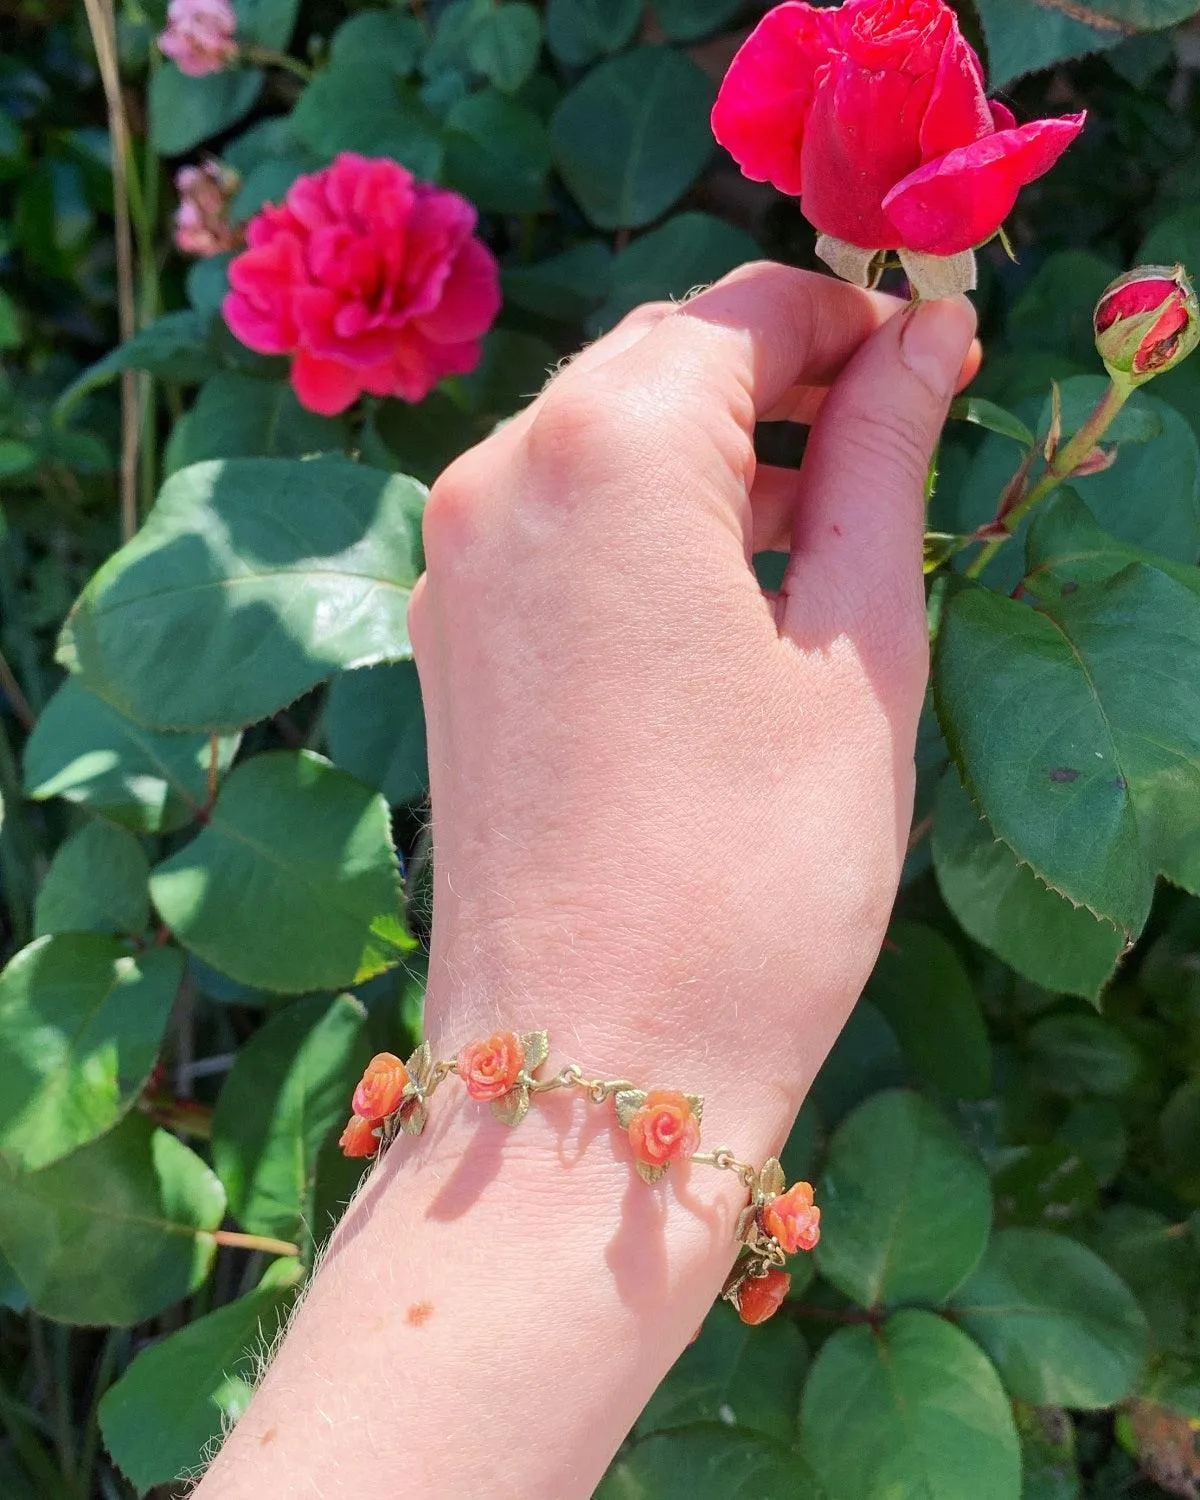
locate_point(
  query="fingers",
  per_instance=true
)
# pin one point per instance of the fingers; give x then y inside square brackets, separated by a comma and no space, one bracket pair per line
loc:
[761,331]
[859,522]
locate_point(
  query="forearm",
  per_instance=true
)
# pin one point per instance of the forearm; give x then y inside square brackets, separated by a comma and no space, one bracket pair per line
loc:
[498,1304]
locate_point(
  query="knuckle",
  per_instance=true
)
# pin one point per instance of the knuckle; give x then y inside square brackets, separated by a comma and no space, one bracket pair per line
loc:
[592,419]
[449,522]
[894,443]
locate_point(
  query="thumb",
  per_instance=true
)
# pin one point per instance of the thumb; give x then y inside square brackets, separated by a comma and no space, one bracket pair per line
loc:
[856,566]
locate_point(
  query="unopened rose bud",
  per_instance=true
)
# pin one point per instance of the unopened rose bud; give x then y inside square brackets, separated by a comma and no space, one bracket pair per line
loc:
[202,224]
[199,36]
[1147,322]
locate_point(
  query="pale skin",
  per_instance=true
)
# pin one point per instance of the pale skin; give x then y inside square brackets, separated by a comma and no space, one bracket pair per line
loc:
[669,814]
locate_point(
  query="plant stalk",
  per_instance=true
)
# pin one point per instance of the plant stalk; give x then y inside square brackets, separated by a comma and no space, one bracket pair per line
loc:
[1059,470]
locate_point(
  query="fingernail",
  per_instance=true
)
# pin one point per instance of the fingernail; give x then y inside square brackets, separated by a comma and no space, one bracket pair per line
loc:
[935,340]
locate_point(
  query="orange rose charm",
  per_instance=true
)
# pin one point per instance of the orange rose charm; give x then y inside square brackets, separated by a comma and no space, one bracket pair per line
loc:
[663,1126]
[490,1069]
[760,1297]
[381,1088]
[794,1219]
[359,1138]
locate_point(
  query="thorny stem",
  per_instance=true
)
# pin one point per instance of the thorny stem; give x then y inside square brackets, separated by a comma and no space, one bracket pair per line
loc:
[1060,468]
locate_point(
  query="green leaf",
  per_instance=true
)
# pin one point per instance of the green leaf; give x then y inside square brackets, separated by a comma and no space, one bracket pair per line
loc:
[251,581]
[1055,310]
[194,1384]
[910,1409]
[361,103]
[421,439]
[172,346]
[504,46]
[266,23]
[1066,548]
[1075,1053]
[1094,1130]
[747,1378]
[707,1460]
[289,1087]
[906,1207]
[633,135]
[185,112]
[565,286]
[1039,1186]
[1062,1328]
[292,885]
[96,883]
[83,750]
[1078,737]
[1024,36]
[1003,905]
[239,416]
[10,323]
[1141,15]
[81,1024]
[497,153]
[689,20]
[1159,1266]
[375,35]
[12,1293]
[115,1232]
[993,418]
[376,729]
[926,997]
[688,251]
[580,31]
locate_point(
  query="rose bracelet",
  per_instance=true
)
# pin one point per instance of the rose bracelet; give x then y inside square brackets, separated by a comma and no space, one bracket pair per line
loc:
[663,1126]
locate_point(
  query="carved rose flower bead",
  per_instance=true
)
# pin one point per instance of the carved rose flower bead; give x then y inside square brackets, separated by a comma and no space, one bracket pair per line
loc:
[358,1138]
[490,1069]
[794,1219]
[760,1297]
[664,1128]
[381,1088]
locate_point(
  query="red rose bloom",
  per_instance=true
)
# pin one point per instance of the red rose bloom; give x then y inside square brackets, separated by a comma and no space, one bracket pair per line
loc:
[875,116]
[381,1088]
[761,1297]
[664,1128]
[371,280]
[490,1069]
[793,1219]
[358,1138]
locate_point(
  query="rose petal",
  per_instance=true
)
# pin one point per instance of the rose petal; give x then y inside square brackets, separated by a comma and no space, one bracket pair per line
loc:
[845,185]
[961,199]
[1002,117]
[323,385]
[470,297]
[763,105]
[958,111]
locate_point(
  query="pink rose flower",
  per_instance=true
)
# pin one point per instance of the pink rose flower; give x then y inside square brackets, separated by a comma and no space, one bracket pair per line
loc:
[874,115]
[380,1090]
[199,36]
[371,280]
[202,224]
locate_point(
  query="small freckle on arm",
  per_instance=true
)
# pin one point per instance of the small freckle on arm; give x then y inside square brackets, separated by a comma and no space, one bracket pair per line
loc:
[419,1313]
[267,1437]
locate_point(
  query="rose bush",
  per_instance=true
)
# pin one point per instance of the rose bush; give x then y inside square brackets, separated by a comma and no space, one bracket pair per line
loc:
[214,861]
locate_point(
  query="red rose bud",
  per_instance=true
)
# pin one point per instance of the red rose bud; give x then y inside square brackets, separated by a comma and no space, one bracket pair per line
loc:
[1147,322]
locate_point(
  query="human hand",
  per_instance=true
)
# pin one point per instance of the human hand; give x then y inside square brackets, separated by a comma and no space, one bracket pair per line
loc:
[669,811]
[669,814]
